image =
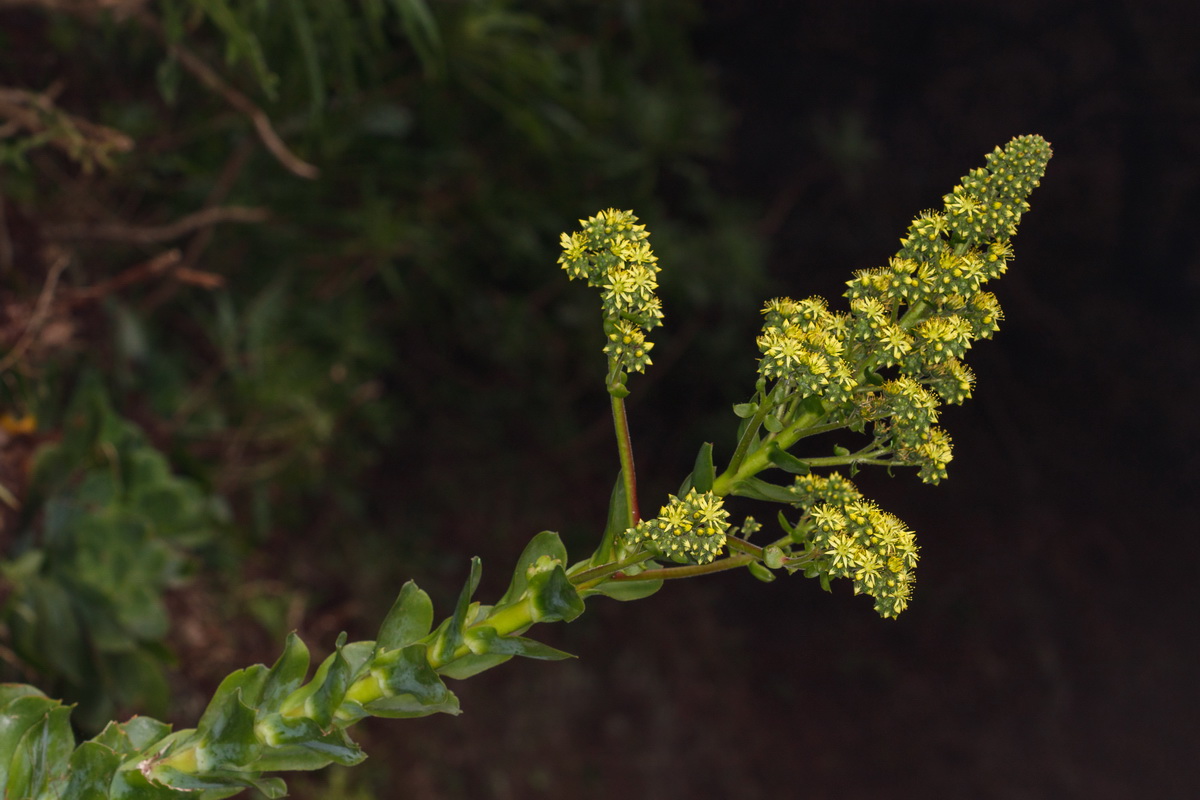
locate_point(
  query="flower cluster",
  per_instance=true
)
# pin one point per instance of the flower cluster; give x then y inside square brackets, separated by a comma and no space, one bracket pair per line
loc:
[610,252]
[687,530]
[859,541]
[922,312]
[802,342]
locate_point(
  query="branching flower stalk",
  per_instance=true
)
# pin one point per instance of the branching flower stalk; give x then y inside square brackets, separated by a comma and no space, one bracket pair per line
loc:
[879,371]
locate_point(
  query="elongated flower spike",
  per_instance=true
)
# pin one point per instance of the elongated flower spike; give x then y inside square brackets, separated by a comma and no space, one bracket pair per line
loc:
[611,253]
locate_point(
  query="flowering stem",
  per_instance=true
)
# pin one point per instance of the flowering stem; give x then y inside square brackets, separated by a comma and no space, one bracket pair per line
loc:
[750,465]
[690,570]
[625,451]
[590,578]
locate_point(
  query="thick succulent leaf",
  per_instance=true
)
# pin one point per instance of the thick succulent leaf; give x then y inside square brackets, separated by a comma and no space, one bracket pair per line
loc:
[488,641]
[410,619]
[134,736]
[18,716]
[225,783]
[230,691]
[412,687]
[470,665]
[554,597]
[91,771]
[546,543]
[41,755]
[332,689]
[299,744]
[450,636]
[287,674]
[229,738]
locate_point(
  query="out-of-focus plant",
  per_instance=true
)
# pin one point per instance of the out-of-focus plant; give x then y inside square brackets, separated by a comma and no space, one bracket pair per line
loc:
[880,369]
[106,529]
[271,223]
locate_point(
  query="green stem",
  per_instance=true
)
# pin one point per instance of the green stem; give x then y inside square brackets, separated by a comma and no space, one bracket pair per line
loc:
[691,570]
[625,451]
[754,463]
[590,578]
[739,454]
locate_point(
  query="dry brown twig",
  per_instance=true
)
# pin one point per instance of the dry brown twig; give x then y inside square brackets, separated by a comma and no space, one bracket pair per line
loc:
[209,77]
[154,234]
[58,259]
[36,114]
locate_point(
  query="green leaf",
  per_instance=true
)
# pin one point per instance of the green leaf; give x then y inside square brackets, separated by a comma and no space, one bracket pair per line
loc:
[336,674]
[554,597]
[772,423]
[218,780]
[287,674]
[410,619]
[758,489]
[91,771]
[488,641]
[759,571]
[19,715]
[626,590]
[298,743]
[450,633]
[412,687]
[422,32]
[227,725]
[618,523]
[471,664]
[15,691]
[41,755]
[786,461]
[134,736]
[703,473]
[546,543]
[745,410]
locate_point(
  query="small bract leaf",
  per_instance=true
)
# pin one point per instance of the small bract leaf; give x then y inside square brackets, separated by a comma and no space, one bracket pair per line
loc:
[745,410]
[627,590]
[703,472]
[758,489]
[759,571]
[786,461]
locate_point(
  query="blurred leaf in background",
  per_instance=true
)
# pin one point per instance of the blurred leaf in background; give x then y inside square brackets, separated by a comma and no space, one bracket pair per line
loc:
[305,302]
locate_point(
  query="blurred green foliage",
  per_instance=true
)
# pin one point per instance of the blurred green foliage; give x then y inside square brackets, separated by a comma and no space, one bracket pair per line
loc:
[354,340]
[85,577]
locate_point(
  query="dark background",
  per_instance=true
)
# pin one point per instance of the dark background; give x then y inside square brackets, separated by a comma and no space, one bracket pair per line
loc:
[1046,653]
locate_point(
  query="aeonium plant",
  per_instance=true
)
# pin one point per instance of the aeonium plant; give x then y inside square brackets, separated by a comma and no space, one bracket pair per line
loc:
[880,369]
